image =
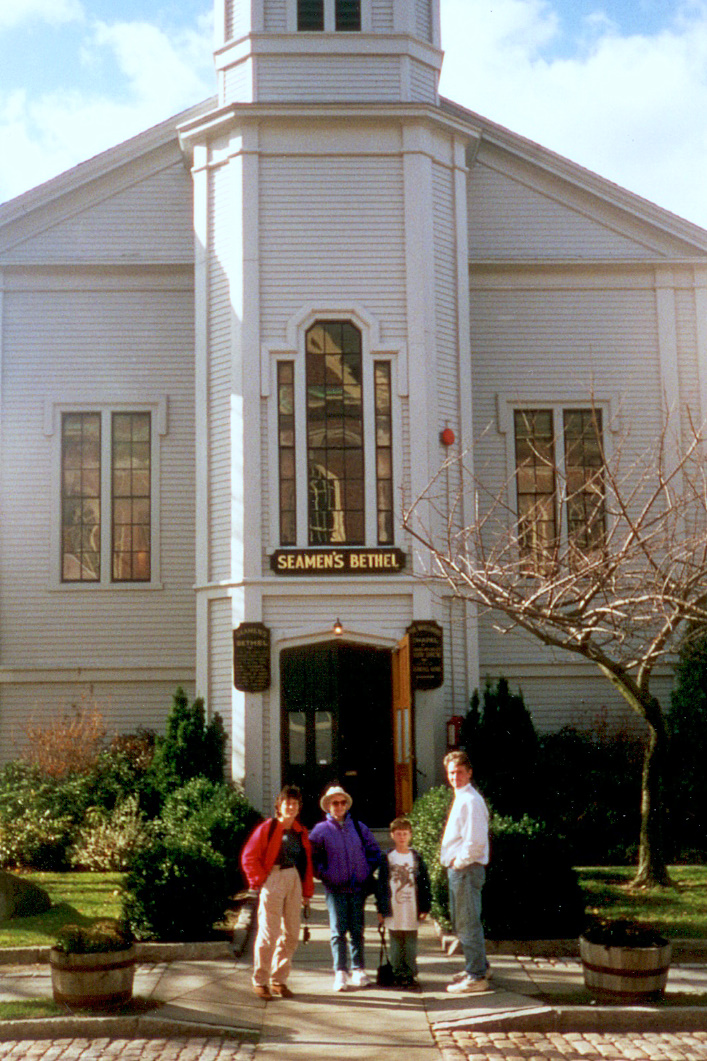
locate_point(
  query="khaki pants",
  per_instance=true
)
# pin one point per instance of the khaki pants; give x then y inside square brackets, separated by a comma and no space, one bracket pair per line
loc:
[278,926]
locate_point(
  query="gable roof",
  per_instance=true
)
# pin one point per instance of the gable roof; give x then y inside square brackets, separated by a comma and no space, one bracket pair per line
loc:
[582,179]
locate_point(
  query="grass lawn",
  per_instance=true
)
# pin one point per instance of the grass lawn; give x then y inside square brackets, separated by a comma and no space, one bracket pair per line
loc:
[78,898]
[679,912]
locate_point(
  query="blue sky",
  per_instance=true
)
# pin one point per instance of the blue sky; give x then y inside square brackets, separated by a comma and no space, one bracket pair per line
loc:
[619,86]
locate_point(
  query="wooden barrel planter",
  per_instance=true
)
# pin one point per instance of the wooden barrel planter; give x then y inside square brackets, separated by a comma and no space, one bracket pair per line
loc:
[102,980]
[631,974]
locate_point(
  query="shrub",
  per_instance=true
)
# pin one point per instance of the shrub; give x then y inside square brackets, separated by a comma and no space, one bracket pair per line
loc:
[687,726]
[499,737]
[107,840]
[428,817]
[99,938]
[175,891]
[36,826]
[67,744]
[531,889]
[205,813]
[588,792]
[192,747]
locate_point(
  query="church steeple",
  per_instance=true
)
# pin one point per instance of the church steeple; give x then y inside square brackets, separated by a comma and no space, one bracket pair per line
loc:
[327,51]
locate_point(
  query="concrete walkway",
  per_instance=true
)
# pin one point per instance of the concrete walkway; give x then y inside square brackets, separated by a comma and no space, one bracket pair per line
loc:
[211,998]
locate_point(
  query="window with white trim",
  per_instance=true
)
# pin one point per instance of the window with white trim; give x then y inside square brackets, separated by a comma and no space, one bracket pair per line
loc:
[560,484]
[106,496]
[336,469]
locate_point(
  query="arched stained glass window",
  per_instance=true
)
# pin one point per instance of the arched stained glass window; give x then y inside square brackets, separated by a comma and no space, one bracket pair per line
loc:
[335,459]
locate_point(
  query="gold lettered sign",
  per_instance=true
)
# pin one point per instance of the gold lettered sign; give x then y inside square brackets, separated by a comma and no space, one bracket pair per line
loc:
[337,561]
[251,657]
[426,654]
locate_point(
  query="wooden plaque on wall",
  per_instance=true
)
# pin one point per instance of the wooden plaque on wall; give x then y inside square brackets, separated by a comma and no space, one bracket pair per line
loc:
[251,657]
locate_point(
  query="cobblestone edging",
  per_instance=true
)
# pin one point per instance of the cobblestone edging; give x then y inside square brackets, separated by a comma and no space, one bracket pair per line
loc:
[118,1028]
[566,1046]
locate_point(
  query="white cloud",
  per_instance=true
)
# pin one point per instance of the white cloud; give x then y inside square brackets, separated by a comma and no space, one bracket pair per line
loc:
[15,12]
[161,74]
[632,108]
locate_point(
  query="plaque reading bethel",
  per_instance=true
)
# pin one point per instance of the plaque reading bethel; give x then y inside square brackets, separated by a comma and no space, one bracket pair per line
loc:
[337,561]
[426,654]
[251,657]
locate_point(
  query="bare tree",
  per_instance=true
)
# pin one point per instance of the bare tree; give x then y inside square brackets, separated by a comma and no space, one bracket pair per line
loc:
[604,557]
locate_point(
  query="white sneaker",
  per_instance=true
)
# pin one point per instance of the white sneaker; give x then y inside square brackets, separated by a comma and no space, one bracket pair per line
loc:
[467,986]
[360,978]
[463,975]
[340,980]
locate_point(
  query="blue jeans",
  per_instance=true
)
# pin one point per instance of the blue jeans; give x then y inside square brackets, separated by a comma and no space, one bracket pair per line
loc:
[465,909]
[346,916]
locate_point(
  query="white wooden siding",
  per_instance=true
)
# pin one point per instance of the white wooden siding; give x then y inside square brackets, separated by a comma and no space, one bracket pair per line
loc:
[445,296]
[324,78]
[276,16]
[423,83]
[687,358]
[508,219]
[382,16]
[220,690]
[238,83]
[125,706]
[332,233]
[538,342]
[94,343]
[380,615]
[219,374]
[148,221]
[423,19]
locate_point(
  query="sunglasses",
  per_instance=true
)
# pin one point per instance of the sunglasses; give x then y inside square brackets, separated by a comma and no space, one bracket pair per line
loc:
[337,802]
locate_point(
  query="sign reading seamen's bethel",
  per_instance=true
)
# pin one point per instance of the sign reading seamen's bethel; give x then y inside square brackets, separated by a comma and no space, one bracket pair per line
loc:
[426,655]
[251,657]
[337,561]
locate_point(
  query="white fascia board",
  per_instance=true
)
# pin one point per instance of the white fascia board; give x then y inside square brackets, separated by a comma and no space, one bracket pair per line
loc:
[327,44]
[221,120]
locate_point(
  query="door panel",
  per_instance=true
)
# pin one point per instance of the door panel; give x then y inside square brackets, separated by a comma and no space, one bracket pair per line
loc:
[336,726]
[403,742]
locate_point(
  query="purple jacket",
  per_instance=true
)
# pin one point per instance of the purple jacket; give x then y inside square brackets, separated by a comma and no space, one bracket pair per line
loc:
[340,860]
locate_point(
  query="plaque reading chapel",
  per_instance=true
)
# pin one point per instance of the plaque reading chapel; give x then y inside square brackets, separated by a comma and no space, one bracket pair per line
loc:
[251,657]
[337,561]
[426,656]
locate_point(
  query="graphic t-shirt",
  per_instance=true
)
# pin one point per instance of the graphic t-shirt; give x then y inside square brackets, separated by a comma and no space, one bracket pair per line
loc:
[402,892]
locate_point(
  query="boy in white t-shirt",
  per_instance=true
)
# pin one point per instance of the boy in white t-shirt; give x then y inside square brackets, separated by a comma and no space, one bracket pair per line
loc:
[403,898]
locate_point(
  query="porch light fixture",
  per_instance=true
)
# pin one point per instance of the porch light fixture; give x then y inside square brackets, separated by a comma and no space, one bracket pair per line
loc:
[338,628]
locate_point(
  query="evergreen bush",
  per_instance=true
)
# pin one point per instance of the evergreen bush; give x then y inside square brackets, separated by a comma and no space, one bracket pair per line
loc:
[191,747]
[175,891]
[203,812]
[499,737]
[531,889]
[687,777]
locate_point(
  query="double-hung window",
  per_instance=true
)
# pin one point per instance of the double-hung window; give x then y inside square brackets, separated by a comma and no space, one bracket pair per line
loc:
[107,500]
[560,487]
[342,442]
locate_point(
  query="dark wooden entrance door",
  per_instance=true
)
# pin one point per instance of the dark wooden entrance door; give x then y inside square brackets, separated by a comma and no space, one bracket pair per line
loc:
[337,726]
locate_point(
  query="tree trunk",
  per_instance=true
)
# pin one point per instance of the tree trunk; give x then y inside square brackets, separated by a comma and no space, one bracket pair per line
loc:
[652,869]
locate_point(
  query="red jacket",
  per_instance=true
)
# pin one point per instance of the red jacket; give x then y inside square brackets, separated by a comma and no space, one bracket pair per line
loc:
[261,850]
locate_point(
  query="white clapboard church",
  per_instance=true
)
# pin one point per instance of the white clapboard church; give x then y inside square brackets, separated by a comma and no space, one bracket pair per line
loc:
[230,349]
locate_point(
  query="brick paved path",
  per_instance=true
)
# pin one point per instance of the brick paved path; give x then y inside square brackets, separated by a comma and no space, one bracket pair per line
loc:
[590,1046]
[185,1049]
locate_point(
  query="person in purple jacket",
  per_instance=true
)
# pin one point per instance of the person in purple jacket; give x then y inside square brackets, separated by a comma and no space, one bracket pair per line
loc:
[344,855]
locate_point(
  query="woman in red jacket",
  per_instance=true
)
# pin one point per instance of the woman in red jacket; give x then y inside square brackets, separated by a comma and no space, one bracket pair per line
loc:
[277,860]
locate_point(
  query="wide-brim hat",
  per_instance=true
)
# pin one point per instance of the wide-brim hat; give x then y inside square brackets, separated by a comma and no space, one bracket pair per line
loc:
[334,790]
